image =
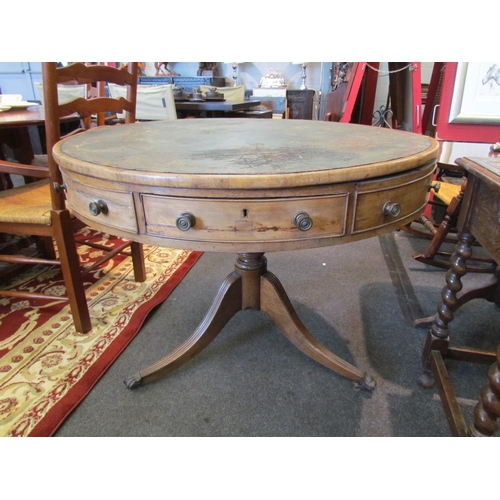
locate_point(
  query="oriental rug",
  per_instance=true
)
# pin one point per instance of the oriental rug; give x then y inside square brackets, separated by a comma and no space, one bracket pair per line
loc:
[46,367]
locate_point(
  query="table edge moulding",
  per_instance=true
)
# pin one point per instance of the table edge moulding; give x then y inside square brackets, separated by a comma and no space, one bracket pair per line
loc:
[247,187]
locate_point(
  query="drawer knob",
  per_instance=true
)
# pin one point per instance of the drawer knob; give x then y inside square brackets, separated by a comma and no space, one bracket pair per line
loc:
[391,208]
[59,187]
[185,221]
[303,221]
[98,207]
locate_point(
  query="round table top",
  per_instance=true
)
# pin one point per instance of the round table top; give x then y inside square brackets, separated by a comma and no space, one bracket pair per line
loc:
[243,153]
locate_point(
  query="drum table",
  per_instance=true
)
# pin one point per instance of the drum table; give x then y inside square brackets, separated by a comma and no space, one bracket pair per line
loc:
[250,187]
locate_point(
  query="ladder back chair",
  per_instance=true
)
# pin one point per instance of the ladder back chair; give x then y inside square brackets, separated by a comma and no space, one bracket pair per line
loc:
[39,208]
[448,198]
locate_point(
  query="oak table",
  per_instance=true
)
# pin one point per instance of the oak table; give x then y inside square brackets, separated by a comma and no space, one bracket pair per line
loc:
[14,130]
[250,187]
[479,220]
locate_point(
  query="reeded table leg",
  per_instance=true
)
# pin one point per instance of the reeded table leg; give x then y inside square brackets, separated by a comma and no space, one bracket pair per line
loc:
[275,302]
[251,286]
[226,304]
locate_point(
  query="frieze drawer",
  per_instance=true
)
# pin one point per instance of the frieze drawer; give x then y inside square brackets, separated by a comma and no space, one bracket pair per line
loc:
[100,206]
[215,220]
[377,206]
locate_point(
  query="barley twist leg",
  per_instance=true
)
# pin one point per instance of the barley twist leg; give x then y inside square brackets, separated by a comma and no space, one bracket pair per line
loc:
[487,411]
[438,336]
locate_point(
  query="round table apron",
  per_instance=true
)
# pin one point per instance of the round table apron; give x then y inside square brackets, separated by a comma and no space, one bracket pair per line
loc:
[245,181]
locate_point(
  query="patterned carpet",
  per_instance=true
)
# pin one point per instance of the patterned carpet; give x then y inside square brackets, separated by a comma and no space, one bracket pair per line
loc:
[46,367]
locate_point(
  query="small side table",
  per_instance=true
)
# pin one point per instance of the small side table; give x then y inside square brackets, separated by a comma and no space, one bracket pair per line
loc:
[479,220]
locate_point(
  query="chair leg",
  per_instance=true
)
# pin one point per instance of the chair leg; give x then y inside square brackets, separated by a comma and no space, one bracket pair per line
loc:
[70,266]
[484,265]
[440,236]
[45,246]
[452,212]
[138,261]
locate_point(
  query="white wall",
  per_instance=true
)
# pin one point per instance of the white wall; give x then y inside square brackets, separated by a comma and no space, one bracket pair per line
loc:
[317,77]
[250,73]
[19,77]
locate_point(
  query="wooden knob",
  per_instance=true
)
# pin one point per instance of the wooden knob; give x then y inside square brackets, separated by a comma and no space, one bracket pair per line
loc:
[98,207]
[391,208]
[185,221]
[303,221]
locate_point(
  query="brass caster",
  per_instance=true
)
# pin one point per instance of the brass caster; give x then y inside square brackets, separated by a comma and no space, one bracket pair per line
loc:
[368,383]
[133,381]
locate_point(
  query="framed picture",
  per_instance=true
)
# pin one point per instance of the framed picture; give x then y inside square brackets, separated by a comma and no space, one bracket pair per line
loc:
[476,94]
[449,81]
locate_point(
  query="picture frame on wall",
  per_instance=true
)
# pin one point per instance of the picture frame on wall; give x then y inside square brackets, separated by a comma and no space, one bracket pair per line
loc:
[476,94]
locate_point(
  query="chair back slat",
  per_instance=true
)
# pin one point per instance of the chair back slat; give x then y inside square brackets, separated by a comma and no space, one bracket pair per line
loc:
[91,75]
[88,107]
[81,73]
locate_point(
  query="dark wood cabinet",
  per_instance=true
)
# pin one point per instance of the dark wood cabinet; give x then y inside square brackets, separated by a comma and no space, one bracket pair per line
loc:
[300,104]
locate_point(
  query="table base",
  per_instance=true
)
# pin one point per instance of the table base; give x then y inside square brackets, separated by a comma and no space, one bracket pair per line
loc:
[437,347]
[251,286]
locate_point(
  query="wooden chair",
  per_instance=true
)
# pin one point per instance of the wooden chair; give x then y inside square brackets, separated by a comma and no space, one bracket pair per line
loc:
[66,93]
[154,102]
[448,197]
[39,208]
